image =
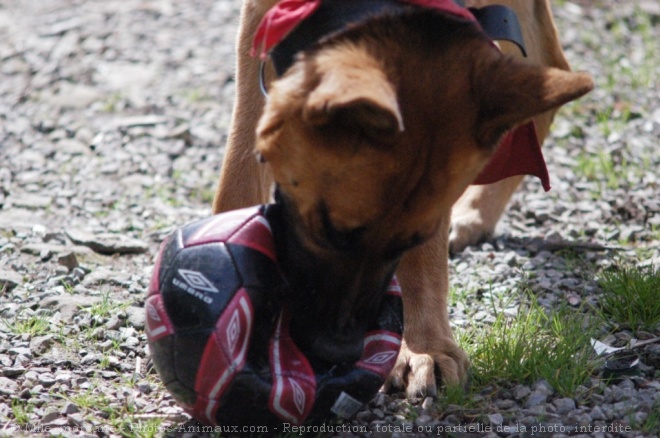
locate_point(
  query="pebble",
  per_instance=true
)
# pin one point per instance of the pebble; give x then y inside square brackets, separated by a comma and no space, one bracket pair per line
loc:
[8,386]
[495,419]
[21,351]
[10,371]
[46,380]
[107,243]
[564,405]
[427,403]
[520,392]
[40,344]
[536,398]
[70,408]
[135,317]
[68,260]
[9,280]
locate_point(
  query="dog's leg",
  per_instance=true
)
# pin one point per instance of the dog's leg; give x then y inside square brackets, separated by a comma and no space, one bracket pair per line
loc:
[243,181]
[428,338]
[476,214]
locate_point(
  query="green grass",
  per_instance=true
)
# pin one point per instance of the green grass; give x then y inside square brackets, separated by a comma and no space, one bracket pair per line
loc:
[650,425]
[33,325]
[88,399]
[110,104]
[21,411]
[68,287]
[631,297]
[601,166]
[529,347]
[107,306]
[148,428]
[652,422]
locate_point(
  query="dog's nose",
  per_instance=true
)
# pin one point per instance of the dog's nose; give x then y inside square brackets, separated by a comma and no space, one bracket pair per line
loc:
[342,349]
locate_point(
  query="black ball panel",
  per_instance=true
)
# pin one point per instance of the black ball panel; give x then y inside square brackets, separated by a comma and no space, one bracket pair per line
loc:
[187,350]
[182,393]
[162,356]
[205,273]
[258,271]
[248,394]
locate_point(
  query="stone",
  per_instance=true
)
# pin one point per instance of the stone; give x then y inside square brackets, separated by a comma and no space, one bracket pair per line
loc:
[40,248]
[601,413]
[107,243]
[653,355]
[520,392]
[564,405]
[46,379]
[543,386]
[8,386]
[135,317]
[21,351]
[30,201]
[68,305]
[536,398]
[71,146]
[423,421]
[9,280]
[134,121]
[70,408]
[75,95]
[114,323]
[13,371]
[68,260]
[426,404]
[144,388]
[90,359]
[41,344]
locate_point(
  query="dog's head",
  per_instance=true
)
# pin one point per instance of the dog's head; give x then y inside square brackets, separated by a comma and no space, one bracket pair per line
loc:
[372,136]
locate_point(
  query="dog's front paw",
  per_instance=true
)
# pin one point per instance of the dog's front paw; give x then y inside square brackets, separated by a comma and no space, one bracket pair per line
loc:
[467,228]
[417,372]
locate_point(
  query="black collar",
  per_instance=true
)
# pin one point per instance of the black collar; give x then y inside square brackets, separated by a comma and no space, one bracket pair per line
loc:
[331,17]
[498,22]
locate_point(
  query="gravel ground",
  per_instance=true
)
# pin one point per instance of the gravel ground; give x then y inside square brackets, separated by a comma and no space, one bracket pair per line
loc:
[113,115]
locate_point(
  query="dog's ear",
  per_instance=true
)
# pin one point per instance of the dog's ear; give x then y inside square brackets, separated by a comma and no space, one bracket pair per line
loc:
[357,97]
[510,92]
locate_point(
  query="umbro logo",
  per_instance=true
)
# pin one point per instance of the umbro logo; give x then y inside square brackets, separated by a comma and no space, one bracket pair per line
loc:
[197,280]
[152,312]
[381,358]
[298,396]
[195,284]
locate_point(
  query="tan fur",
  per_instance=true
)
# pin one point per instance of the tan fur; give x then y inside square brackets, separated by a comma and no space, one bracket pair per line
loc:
[385,139]
[477,212]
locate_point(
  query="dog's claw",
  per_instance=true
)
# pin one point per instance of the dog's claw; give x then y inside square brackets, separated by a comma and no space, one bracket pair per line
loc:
[417,372]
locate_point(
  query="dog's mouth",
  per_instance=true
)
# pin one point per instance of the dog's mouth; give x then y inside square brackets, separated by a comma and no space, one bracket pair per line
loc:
[335,291]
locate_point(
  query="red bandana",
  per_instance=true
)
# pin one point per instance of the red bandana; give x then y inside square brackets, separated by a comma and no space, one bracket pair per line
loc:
[519,153]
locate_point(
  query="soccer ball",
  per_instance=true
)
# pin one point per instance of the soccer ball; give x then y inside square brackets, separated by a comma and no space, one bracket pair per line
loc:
[218,331]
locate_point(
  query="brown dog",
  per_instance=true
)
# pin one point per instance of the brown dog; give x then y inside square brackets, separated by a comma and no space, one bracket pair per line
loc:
[371,137]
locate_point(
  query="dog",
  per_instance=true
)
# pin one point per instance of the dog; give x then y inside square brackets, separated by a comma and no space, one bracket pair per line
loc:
[371,136]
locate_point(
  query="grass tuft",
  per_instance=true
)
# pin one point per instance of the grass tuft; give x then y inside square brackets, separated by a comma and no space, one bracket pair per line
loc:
[33,325]
[532,346]
[21,411]
[631,296]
